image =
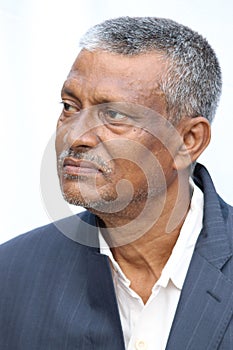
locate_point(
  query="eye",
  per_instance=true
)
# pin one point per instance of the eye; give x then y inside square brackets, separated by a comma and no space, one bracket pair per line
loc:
[112,115]
[69,108]
[116,115]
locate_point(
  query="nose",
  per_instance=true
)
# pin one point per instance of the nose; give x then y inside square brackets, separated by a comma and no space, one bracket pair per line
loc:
[82,131]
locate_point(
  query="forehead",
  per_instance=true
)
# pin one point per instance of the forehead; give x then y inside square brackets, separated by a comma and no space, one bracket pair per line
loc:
[118,77]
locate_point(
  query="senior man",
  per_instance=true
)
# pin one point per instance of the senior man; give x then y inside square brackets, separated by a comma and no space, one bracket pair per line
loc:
[148,265]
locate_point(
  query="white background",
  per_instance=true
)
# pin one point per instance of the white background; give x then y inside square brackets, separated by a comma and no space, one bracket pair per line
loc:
[39,42]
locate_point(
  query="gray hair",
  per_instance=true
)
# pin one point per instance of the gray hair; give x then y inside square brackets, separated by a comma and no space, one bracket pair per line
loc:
[192,81]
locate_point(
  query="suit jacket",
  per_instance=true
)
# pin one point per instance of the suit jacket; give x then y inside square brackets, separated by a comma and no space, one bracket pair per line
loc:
[58,294]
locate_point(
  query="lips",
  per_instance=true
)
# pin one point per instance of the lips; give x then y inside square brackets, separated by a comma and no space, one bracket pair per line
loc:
[75,167]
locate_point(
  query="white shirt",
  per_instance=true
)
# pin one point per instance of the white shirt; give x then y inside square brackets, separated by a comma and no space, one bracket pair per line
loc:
[147,326]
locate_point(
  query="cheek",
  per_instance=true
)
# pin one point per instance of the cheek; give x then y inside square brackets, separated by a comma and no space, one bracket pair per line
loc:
[159,149]
[61,139]
[130,178]
[58,145]
[156,161]
[129,170]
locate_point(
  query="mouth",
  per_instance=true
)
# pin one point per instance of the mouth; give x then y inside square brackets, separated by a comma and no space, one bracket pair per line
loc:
[72,168]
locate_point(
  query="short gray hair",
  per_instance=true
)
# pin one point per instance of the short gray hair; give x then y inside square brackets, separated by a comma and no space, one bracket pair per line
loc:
[192,82]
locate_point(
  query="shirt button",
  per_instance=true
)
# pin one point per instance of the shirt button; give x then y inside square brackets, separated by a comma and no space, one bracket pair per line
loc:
[140,345]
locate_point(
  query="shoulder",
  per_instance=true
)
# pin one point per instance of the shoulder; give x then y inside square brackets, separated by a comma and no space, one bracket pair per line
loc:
[227,212]
[213,203]
[44,259]
[47,242]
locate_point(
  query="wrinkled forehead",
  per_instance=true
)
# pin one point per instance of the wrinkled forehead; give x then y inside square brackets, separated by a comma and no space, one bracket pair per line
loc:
[134,79]
[145,67]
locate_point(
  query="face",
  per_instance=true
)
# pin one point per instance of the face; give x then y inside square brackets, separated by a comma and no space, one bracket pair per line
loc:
[110,140]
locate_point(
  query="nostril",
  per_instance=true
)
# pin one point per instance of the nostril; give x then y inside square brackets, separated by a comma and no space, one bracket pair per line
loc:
[80,148]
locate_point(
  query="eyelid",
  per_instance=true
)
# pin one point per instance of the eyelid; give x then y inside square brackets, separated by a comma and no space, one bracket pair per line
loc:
[122,113]
[71,104]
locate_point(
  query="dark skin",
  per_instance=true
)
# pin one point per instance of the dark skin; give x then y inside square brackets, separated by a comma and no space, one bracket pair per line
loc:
[100,77]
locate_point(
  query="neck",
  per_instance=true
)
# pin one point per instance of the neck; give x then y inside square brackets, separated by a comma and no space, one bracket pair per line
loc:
[143,246]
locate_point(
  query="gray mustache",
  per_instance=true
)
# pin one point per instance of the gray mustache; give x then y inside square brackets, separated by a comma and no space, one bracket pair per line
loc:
[85,156]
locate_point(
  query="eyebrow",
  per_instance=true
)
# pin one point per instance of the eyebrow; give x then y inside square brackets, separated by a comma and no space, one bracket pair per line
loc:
[65,90]
[69,92]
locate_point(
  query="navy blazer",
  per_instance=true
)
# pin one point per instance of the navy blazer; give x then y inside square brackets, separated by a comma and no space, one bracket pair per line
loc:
[57,294]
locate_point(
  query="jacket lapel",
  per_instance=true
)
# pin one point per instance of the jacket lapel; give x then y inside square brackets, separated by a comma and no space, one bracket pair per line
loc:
[96,325]
[102,316]
[204,309]
[105,326]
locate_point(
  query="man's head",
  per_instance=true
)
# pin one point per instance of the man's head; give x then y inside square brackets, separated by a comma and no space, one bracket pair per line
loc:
[136,107]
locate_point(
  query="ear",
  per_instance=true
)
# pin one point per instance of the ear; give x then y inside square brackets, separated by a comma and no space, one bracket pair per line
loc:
[195,136]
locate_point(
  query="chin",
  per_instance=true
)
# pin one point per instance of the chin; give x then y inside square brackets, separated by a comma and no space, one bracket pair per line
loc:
[89,199]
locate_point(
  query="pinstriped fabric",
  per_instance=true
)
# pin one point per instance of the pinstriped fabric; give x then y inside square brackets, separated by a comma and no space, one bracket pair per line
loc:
[215,240]
[47,301]
[204,315]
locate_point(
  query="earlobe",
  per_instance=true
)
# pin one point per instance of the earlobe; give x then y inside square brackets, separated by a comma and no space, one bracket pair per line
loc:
[195,136]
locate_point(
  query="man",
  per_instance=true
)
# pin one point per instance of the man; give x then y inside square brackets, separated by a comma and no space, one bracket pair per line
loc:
[149,264]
